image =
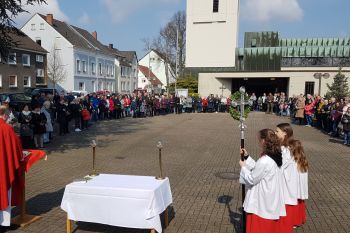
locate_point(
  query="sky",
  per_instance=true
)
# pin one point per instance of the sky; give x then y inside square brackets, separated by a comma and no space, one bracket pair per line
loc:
[125,23]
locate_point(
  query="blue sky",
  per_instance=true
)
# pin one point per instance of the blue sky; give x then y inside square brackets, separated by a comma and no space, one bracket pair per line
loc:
[126,22]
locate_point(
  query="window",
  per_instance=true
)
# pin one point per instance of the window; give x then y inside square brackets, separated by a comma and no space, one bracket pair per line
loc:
[33,27]
[78,66]
[107,70]
[100,68]
[215,6]
[39,58]
[26,81]
[93,68]
[81,86]
[42,27]
[84,66]
[93,86]
[112,69]
[99,86]
[26,60]
[12,81]
[40,73]
[0,80]
[12,59]
[309,88]
[38,41]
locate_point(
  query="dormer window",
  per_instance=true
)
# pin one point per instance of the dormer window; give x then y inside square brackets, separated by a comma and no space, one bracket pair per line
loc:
[215,6]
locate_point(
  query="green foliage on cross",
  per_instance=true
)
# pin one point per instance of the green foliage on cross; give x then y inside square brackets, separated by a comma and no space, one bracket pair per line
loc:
[235,113]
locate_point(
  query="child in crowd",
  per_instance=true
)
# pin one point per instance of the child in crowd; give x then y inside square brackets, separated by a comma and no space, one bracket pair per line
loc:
[86,117]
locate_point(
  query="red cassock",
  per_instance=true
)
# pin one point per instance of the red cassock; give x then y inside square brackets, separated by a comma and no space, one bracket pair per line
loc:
[256,224]
[10,166]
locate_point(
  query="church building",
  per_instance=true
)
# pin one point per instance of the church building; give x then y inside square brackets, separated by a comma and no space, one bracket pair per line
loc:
[266,62]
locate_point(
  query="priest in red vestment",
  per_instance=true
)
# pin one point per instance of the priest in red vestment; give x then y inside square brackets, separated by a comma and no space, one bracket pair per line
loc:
[11,178]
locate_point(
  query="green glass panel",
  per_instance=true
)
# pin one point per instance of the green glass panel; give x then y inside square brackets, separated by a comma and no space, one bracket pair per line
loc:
[340,52]
[315,51]
[327,51]
[302,51]
[272,52]
[319,42]
[284,51]
[296,52]
[289,42]
[308,51]
[304,41]
[334,51]
[278,51]
[336,41]
[294,42]
[321,51]
[341,41]
[299,42]
[347,41]
[290,52]
[346,51]
[325,42]
[330,42]
[314,41]
[241,52]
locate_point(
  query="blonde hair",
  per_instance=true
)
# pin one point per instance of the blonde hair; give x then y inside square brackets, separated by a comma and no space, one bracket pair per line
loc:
[3,110]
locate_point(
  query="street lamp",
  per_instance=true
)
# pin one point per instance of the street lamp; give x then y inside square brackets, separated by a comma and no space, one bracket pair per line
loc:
[319,76]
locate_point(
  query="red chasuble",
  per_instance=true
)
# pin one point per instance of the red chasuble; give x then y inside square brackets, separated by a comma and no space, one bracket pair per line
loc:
[10,166]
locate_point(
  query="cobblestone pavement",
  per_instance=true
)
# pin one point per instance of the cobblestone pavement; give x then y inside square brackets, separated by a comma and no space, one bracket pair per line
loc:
[199,151]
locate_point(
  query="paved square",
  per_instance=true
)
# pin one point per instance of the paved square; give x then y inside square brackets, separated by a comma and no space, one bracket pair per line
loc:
[199,151]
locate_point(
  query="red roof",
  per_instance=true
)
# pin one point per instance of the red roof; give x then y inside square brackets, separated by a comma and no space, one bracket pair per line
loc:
[150,75]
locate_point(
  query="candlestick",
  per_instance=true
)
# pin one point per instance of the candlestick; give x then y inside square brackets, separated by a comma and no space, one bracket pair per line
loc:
[160,147]
[93,145]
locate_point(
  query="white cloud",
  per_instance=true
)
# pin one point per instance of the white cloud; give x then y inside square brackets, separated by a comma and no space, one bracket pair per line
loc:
[84,19]
[268,10]
[52,7]
[120,10]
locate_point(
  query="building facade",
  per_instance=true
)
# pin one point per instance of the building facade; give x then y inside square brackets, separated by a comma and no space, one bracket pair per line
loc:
[25,67]
[127,81]
[148,81]
[88,64]
[155,61]
[266,63]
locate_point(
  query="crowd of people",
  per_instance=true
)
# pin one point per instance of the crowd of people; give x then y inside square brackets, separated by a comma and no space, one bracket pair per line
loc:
[330,115]
[37,120]
[277,182]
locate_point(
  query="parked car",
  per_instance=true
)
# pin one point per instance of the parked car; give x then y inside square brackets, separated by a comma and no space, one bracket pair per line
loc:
[38,91]
[78,93]
[17,100]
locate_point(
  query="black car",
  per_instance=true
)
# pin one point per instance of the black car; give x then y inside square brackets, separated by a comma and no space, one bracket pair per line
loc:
[17,100]
[39,91]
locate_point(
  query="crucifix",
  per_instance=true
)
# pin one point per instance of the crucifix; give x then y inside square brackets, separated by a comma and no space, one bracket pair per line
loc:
[222,90]
[242,127]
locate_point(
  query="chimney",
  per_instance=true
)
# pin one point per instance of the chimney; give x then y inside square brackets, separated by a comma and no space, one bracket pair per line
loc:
[49,19]
[110,46]
[94,34]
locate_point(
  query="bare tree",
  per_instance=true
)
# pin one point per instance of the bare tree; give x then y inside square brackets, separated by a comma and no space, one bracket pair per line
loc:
[9,10]
[56,70]
[166,44]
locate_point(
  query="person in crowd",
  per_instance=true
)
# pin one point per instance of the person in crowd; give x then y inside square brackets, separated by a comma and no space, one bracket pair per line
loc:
[62,114]
[75,112]
[205,104]
[254,100]
[199,105]
[310,111]
[26,131]
[264,202]
[300,106]
[38,123]
[269,103]
[336,114]
[346,126]
[86,117]
[48,125]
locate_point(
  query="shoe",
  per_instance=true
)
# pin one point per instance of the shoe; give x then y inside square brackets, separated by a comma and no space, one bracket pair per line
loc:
[77,130]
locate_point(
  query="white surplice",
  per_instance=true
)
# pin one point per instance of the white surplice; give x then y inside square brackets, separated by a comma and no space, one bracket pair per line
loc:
[5,215]
[265,191]
[303,187]
[290,177]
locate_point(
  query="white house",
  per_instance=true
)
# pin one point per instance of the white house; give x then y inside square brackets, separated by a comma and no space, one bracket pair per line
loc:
[147,80]
[156,62]
[89,65]
[127,79]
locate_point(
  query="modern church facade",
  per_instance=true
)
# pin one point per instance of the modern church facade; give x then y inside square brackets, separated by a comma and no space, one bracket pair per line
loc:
[266,63]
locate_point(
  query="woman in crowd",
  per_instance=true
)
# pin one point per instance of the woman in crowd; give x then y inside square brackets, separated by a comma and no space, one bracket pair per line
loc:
[299,106]
[48,126]
[310,111]
[26,131]
[264,202]
[62,113]
[38,122]
[346,126]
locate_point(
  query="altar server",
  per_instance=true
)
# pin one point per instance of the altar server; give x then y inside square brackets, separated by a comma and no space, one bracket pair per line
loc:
[302,187]
[264,202]
[290,180]
[11,179]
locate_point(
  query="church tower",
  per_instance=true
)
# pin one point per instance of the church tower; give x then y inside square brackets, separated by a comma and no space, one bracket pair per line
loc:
[212,31]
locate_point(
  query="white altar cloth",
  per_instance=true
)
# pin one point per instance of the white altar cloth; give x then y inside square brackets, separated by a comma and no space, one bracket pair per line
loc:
[118,200]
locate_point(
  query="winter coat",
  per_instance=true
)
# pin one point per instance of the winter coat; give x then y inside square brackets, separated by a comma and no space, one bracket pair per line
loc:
[38,123]
[48,125]
[300,105]
[346,122]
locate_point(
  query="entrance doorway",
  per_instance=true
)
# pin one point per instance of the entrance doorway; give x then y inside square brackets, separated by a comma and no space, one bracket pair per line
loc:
[259,86]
